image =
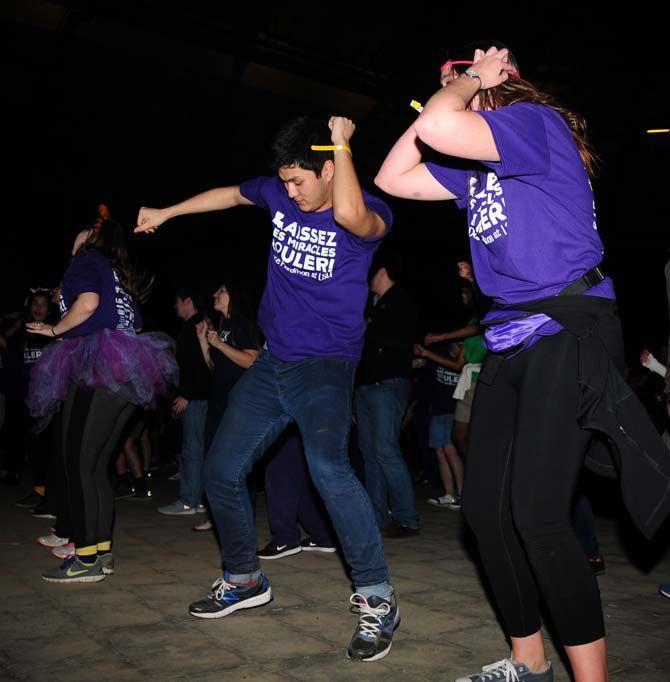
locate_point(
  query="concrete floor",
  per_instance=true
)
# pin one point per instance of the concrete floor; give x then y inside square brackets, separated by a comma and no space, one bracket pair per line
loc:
[134,625]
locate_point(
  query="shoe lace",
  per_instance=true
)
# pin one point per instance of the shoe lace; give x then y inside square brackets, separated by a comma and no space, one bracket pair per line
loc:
[68,561]
[495,671]
[370,619]
[220,587]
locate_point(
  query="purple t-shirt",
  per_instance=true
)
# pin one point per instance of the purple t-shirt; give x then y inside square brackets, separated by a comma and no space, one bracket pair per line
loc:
[317,287]
[531,216]
[91,272]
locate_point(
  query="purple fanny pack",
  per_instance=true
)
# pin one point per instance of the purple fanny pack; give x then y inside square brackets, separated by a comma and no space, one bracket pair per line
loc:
[520,330]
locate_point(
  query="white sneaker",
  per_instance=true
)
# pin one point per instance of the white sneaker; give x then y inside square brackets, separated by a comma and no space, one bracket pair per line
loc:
[52,540]
[65,551]
[444,501]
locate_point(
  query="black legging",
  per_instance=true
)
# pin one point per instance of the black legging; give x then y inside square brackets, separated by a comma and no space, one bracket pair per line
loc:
[526,452]
[92,424]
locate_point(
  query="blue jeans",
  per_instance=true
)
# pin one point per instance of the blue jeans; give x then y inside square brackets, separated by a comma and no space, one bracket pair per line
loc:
[317,394]
[193,420]
[380,408]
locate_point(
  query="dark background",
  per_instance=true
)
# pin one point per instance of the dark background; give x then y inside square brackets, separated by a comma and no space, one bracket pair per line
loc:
[147,102]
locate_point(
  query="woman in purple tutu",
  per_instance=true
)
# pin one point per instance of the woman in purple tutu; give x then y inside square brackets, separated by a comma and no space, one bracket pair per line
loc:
[98,372]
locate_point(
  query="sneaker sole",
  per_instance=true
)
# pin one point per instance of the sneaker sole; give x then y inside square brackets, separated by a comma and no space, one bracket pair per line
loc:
[82,579]
[258,600]
[381,654]
[286,552]
[325,550]
[181,513]
[107,571]
[42,544]
[44,516]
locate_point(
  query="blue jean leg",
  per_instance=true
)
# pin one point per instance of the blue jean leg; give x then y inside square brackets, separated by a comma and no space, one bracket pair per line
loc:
[253,420]
[193,420]
[380,409]
[318,395]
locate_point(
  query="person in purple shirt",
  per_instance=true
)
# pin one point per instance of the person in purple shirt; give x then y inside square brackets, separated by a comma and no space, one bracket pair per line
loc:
[98,371]
[519,163]
[325,230]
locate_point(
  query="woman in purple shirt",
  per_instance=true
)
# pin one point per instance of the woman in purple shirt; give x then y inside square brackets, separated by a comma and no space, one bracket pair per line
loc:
[98,372]
[531,222]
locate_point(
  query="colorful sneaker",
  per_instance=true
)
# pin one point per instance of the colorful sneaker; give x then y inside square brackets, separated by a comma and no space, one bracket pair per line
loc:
[51,541]
[308,545]
[107,563]
[377,619]
[664,590]
[444,501]
[65,551]
[73,571]
[177,508]
[274,551]
[509,671]
[225,598]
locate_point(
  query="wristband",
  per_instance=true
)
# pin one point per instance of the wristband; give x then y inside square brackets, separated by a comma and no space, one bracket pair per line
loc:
[330,148]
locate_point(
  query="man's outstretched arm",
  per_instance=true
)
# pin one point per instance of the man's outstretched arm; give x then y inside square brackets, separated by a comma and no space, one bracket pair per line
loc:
[150,219]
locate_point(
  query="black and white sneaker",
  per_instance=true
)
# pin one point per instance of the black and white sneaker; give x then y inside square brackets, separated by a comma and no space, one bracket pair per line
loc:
[42,511]
[30,501]
[377,619]
[226,598]
[274,551]
[308,545]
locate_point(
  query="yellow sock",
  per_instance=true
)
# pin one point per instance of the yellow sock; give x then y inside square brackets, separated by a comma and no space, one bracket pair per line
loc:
[87,555]
[104,546]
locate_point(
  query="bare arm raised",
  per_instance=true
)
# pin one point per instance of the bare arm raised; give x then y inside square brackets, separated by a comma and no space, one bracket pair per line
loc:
[150,219]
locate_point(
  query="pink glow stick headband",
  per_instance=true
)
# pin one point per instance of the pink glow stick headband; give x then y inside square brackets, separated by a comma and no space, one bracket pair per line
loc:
[467,62]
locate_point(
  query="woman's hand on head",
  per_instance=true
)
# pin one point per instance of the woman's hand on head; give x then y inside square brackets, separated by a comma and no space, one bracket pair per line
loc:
[493,67]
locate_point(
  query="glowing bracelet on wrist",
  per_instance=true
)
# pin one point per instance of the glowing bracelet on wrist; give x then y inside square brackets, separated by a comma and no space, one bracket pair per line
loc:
[330,148]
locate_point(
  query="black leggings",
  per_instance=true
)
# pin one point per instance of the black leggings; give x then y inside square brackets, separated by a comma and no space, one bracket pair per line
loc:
[92,423]
[526,452]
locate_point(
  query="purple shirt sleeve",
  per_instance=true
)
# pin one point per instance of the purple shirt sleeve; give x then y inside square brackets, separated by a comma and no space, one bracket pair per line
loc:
[453,179]
[83,276]
[521,139]
[382,209]
[253,190]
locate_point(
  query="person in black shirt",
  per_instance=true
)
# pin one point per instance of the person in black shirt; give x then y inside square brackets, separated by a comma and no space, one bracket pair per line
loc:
[229,352]
[191,403]
[381,400]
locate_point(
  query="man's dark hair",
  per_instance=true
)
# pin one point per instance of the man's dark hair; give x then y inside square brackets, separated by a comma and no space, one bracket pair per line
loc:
[391,262]
[194,294]
[293,144]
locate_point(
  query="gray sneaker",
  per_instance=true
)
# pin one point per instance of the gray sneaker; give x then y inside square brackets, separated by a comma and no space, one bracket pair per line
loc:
[107,562]
[73,571]
[509,671]
[177,508]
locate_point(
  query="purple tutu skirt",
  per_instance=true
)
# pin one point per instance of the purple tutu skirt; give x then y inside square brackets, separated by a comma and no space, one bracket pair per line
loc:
[137,367]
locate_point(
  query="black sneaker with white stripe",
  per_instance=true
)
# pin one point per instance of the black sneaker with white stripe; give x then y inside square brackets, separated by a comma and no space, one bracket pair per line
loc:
[308,545]
[275,551]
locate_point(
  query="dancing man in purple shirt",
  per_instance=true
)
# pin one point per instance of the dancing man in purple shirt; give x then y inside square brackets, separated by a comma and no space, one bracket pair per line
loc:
[325,230]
